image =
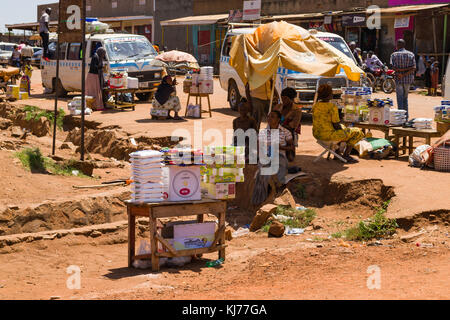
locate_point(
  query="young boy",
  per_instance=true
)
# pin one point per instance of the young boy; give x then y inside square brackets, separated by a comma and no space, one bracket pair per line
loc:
[244,122]
[27,73]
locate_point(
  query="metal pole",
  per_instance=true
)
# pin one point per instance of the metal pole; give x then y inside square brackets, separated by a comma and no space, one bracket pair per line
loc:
[83,76]
[55,87]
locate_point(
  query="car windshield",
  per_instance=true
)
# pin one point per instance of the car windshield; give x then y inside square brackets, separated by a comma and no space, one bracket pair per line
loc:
[128,48]
[338,44]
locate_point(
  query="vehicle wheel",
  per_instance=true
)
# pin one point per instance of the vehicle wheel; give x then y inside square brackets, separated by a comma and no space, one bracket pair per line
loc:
[143,96]
[367,82]
[388,86]
[233,95]
[61,91]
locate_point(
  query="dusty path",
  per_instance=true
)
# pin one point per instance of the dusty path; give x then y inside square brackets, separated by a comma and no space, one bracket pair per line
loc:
[309,266]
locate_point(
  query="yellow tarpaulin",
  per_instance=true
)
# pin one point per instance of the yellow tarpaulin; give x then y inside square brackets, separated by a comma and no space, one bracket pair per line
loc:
[257,56]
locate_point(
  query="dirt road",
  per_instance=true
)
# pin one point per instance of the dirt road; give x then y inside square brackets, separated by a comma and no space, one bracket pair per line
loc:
[313,265]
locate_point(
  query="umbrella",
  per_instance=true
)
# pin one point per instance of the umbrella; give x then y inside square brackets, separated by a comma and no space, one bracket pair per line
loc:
[175,57]
[257,56]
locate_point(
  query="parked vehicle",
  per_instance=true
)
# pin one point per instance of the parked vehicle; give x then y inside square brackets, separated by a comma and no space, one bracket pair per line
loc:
[306,85]
[384,78]
[6,50]
[133,53]
[36,58]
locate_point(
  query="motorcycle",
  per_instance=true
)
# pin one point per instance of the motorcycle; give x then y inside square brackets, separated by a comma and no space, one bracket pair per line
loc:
[384,78]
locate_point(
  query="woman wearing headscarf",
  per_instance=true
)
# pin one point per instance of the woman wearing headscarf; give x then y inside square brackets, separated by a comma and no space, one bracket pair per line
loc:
[95,81]
[166,98]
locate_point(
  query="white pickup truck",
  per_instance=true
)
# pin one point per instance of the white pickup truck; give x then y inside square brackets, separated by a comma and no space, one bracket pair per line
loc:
[305,84]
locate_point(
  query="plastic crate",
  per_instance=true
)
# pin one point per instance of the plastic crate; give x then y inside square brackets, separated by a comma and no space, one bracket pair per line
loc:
[442,157]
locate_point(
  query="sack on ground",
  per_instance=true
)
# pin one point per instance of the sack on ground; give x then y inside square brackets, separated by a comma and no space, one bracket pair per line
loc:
[420,156]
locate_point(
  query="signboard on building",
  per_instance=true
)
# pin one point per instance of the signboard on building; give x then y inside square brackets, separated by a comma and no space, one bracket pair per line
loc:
[235,16]
[252,10]
[327,20]
[414,2]
[70,15]
[401,22]
[354,20]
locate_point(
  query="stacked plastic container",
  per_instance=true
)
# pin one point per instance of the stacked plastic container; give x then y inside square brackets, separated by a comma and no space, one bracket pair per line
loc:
[397,117]
[206,73]
[147,175]
[423,123]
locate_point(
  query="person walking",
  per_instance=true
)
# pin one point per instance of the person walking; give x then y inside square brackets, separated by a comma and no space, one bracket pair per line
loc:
[27,52]
[94,80]
[434,77]
[404,64]
[44,32]
[353,48]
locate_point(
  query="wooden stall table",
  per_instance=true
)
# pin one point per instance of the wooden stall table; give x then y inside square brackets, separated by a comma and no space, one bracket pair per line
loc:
[174,209]
[197,97]
[122,105]
[409,134]
[379,127]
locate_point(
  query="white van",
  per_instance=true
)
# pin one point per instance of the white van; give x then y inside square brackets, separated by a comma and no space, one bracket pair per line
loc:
[133,53]
[305,84]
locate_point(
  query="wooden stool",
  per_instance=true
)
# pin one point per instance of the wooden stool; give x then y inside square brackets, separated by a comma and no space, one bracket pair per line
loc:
[197,97]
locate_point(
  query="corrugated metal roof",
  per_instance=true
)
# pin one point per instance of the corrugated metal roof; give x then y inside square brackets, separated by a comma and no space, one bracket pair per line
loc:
[195,20]
[301,15]
[412,8]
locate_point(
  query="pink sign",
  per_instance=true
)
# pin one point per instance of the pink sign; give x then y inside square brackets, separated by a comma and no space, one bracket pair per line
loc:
[414,2]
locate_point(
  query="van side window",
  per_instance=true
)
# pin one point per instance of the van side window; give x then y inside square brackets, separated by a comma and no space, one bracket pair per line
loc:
[74,51]
[94,46]
[227,46]
[52,51]
[62,51]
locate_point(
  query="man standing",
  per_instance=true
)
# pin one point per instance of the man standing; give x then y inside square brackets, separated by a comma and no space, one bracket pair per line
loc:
[404,64]
[44,31]
[259,99]
[352,46]
[27,51]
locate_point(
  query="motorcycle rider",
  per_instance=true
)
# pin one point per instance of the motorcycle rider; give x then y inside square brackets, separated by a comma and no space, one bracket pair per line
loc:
[373,62]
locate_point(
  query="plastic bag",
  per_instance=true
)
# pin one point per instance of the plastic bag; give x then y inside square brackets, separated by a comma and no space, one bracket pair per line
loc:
[145,248]
[420,156]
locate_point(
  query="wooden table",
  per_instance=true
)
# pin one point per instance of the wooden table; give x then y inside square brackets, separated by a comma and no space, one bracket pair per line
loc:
[410,133]
[197,97]
[368,126]
[122,105]
[174,209]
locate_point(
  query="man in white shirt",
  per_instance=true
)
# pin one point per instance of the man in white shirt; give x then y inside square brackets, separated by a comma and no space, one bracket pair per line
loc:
[373,62]
[44,31]
[27,51]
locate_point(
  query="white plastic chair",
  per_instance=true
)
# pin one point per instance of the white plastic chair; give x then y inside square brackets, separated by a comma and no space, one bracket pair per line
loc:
[330,147]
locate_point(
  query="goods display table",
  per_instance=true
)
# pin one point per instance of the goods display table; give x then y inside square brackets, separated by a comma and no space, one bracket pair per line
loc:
[410,133]
[117,103]
[199,96]
[174,209]
[368,126]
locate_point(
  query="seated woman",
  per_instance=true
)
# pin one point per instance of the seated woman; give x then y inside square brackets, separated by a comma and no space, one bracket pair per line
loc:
[291,116]
[326,123]
[166,98]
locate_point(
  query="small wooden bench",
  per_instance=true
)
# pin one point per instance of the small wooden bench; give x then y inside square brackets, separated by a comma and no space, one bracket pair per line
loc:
[174,209]
[122,105]
[409,134]
[368,126]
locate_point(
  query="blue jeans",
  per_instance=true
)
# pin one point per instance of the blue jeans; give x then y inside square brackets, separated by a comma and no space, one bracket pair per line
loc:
[402,91]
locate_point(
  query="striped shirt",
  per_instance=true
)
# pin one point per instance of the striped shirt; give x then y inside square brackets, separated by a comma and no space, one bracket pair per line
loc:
[265,137]
[403,59]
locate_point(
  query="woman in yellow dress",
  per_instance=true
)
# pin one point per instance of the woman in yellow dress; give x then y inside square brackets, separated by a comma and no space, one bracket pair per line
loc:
[327,126]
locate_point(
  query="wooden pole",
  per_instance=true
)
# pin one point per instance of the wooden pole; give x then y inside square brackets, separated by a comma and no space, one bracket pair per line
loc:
[55,88]
[273,90]
[444,45]
[83,76]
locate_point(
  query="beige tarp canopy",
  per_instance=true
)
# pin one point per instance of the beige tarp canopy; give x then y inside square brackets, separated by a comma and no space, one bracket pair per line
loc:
[257,56]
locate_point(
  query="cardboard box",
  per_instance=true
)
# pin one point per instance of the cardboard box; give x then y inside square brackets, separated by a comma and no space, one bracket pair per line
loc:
[379,115]
[204,86]
[184,183]
[219,191]
[190,235]
[132,83]
[13,92]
